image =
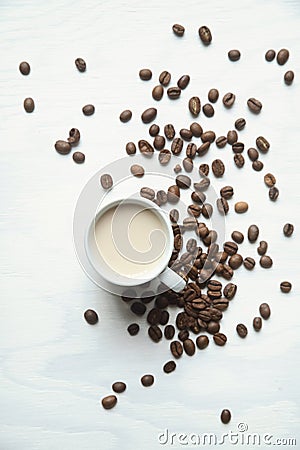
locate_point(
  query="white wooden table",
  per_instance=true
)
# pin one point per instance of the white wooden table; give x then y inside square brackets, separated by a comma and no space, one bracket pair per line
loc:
[54,368]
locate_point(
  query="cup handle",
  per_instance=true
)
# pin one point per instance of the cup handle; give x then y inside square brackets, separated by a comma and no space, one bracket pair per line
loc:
[172,280]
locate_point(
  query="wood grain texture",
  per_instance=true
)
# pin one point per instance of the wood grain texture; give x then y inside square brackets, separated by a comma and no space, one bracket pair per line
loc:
[54,368]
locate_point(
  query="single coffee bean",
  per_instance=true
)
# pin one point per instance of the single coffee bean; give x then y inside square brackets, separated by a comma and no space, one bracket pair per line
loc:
[213,95]
[239,160]
[229,291]
[262,144]
[285,286]
[165,78]
[137,170]
[154,130]
[169,131]
[230,248]
[133,329]
[145,74]
[176,146]
[288,229]
[174,215]
[173,194]
[254,105]
[204,170]
[149,115]
[222,205]
[176,349]
[138,308]
[249,263]
[188,164]
[282,56]
[80,64]
[203,185]
[62,147]
[213,327]
[207,210]
[119,387]
[169,367]
[148,193]
[238,147]
[159,142]
[235,261]
[253,232]
[263,248]
[202,342]
[240,124]
[203,149]
[194,210]
[265,311]
[208,136]
[91,316]
[125,116]
[234,55]
[257,323]
[270,55]
[147,380]
[205,35]
[196,129]
[241,330]
[208,110]
[232,137]
[228,99]
[191,245]
[145,148]
[241,207]
[169,332]
[191,150]
[164,157]
[183,335]
[164,318]
[218,168]
[178,29]
[225,416]
[106,181]
[74,136]
[226,192]
[183,81]
[220,339]
[183,181]
[155,333]
[186,134]
[154,316]
[237,237]
[158,92]
[24,68]
[29,105]
[269,180]
[221,141]
[195,106]
[109,402]
[257,166]
[78,157]
[266,262]
[273,193]
[189,223]
[88,110]
[253,154]
[198,197]
[130,148]
[174,92]
[189,347]
[289,77]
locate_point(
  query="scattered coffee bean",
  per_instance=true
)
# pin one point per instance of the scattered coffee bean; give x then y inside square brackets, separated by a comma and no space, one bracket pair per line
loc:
[80,64]
[177,168]
[106,181]
[241,330]
[91,316]
[282,56]
[270,55]
[213,95]
[285,286]
[164,157]
[165,78]
[257,166]
[226,192]
[221,141]
[257,323]
[273,193]
[239,160]
[203,149]
[289,77]
[249,263]
[24,68]
[109,402]
[253,232]
[235,261]
[230,248]
[220,339]
[222,206]
[208,136]
[253,154]
[138,308]
[149,115]
[218,168]
[265,311]
[269,180]
[154,316]
[262,144]
[29,105]
[202,185]
[145,148]
[183,181]
[147,380]
[178,29]
[225,416]
[188,164]
[74,136]
[208,110]
[191,245]
[228,99]
[186,134]
[213,327]
[237,236]
[196,129]
[205,35]
[195,106]
[133,329]
[169,131]
[130,148]
[169,367]
[198,197]
[204,170]
[155,333]
[240,124]
[194,210]
[164,318]
[145,74]
[176,146]
[238,147]
[148,193]
[169,332]
[254,105]
[173,194]
[232,137]
[159,142]
[78,157]
[158,92]
[183,81]
[137,170]
[263,248]
[266,262]
[189,347]
[288,229]
[62,147]
[202,342]
[154,130]
[176,349]
[241,207]
[174,215]
[88,110]
[229,291]
[174,92]
[207,210]
[119,387]
[191,150]
[234,55]
[125,116]
[183,335]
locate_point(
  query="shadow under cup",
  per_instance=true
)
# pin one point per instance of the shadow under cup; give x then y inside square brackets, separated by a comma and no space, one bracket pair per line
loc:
[129,242]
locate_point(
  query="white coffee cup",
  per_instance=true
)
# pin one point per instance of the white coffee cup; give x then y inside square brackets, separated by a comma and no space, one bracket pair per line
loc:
[158,267]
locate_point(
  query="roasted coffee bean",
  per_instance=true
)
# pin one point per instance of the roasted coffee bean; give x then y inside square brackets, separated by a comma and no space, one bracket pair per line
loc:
[149,115]
[263,248]
[221,304]
[159,142]
[137,170]
[173,194]
[241,330]
[154,316]
[213,95]
[91,316]
[221,141]
[202,185]
[203,149]
[80,64]
[207,210]
[257,323]
[191,245]
[106,181]
[239,160]
[119,387]
[183,81]
[227,272]
[218,168]
[169,332]
[62,147]
[158,92]
[189,347]
[183,335]
[202,342]
[214,285]
[186,134]
[235,261]
[265,311]
[204,170]
[169,131]
[262,144]
[147,192]
[230,248]
[253,154]
[240,124]
[249,263]
[154,130]
[273,193]
[24,68]
[145,74]
[269,180]
[238,147]
[270,55]
[183,181]
[227,192]
[208,110]
[130,148]
[208,136]
[229,291]
[29,105]
[78,157]
[164,318]
[253,232]
[266,262]
[237,236]
[198,197]
[194,210]
[109,402]
[145,148]
[177,146]
[205,35]
[225,416]
[133,329]
[282,56]
[191,150]
[257,166]
[165,78]
[228,99]
[285,286]
[188,164]
[220,339]
[125,116]
[88,110]
[222,205]
[232,137]
[195,106]
[241,207]
[234,55]
[138,308]
[164,157]
[213,327]
[174,92]
[178,29]
[147,380]
[155,333]
[189,223]
[254,105]
[196,129]
[169,367]
[174,215]
[288,229]
[176,349]
[289,77]
[74,136]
